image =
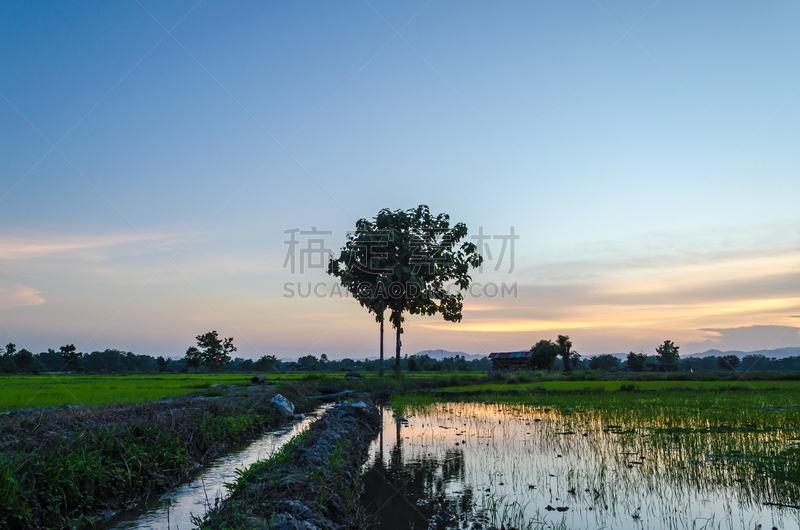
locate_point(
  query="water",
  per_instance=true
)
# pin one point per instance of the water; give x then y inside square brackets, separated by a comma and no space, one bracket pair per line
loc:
[174,510]
[462,465]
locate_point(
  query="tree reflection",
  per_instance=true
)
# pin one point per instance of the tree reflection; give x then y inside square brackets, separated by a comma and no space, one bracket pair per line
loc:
[427,490]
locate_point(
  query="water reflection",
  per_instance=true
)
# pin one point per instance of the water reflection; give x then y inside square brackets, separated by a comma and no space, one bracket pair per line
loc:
[173,511]
[462,465]
[420,490]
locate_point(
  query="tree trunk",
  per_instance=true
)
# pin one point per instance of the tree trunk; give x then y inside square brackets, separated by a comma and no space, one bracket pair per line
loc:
[397,359]
[380,362]
[565,355]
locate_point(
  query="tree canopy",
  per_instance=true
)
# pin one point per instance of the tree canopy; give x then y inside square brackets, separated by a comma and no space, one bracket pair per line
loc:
[728,362]
[668,352]
[636,361]
[193,358]
[404,261]
[214,352]
[604,362]
[69,355]
[544,354]
[565,346]
[360,269]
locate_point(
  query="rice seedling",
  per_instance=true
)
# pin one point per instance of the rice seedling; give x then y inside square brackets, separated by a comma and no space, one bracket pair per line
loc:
[681,459]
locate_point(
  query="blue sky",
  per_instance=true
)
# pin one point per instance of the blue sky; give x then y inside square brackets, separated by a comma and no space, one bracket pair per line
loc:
[153,155]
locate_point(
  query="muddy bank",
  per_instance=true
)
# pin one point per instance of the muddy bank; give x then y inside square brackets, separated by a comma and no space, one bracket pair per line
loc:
[313,483]
[68,467]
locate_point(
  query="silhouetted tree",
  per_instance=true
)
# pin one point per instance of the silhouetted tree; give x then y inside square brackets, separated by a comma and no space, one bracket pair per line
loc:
[604,362]
[544,354]
[24,359]
[193,358]
[308,361]
[360,269]
[413,256]
[636,361]
[162,364]
[565,347]
[756,362]
[215,353]
[728,362]
[69,355]
[412,365]
[7,362]
[668,352]
[267,363]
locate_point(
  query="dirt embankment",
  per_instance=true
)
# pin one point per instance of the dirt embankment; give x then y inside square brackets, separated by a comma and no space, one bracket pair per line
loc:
[69,466]
[313,483]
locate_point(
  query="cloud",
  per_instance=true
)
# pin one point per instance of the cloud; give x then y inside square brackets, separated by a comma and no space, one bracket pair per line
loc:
[36,245]
[613,297]
[747,338]
[17,295]
[125,258]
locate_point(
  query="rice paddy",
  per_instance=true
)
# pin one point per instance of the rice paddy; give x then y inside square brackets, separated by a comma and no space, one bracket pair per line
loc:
[557,454]
[31,391]
[611,386]
[685,459]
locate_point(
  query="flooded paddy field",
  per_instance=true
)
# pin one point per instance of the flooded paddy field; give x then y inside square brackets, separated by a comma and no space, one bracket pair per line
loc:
[727,460]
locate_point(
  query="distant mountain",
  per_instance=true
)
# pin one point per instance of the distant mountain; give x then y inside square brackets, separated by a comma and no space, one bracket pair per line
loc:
[620,356]
[441,354]
[779,353]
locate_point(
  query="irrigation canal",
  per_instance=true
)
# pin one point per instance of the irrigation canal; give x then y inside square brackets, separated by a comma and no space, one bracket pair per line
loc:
[174,510]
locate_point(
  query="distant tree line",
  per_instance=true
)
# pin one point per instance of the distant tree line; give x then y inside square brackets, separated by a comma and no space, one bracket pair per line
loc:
[554,355]
[639,362]
[212,355]
[550,355]
[414,363]
[67,359]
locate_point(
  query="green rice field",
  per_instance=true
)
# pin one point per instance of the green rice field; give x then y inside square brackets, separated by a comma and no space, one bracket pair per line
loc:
[46,390]
[710,458]
[611,386]
[54,390]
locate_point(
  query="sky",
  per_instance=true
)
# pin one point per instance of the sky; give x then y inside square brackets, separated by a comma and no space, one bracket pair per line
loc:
[156,157]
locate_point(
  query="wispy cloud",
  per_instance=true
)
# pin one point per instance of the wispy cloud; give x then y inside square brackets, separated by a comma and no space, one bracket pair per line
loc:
[747,338]
[680,293]
[17,295]
[38,245]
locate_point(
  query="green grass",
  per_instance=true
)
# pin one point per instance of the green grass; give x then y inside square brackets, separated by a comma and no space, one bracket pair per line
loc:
[718,400]
[327,484]
[30,391]
[54,390]
[107,457]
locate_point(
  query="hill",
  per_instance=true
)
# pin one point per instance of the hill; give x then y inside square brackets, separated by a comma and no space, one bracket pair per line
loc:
[441,354]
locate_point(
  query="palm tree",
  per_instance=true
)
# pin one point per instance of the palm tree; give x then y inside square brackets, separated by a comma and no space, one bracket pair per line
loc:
[565,345]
